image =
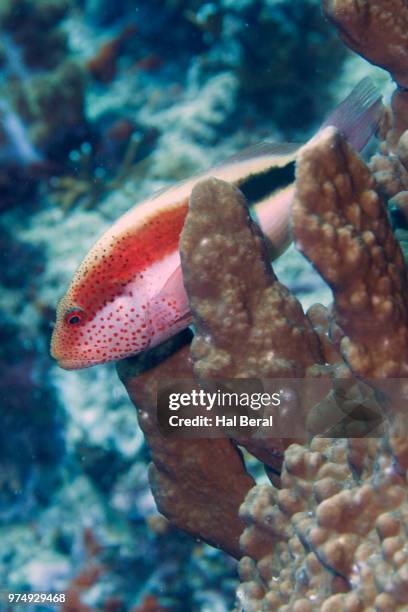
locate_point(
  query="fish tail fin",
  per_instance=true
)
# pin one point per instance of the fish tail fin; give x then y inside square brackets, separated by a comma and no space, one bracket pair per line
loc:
[357,117]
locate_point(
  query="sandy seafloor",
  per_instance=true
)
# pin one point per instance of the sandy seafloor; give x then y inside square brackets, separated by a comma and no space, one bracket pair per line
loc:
[72,458]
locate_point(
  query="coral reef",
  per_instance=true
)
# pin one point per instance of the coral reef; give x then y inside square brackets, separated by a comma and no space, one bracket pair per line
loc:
[333,537]
[29,24]
[44,86]
[89,182]
[315,541]
[319,537]
[266,70]
[316,518]
[52,107]
[36,433]
[42,110]
[103,66]
[92,114]
[377,30]
[240,301]
[340,223]
[50,80]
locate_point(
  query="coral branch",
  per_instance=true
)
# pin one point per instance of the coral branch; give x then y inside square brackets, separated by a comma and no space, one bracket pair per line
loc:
[375,29]
[247,323]
[333,537]
[340,224]
[197,484]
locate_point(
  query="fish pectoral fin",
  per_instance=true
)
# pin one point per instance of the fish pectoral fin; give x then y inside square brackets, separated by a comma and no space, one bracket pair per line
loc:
[170,306]
[357,117]
[173,285]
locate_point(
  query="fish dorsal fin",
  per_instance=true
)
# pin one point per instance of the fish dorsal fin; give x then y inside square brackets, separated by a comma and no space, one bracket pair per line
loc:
[168,189]
[240,165]
[358,115]
[284,152]
[255,161]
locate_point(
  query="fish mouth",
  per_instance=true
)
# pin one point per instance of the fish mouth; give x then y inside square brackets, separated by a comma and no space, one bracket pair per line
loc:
[74,364]
[69,363]
[81,364]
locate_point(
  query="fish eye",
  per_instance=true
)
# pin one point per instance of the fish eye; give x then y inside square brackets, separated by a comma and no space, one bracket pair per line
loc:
[74,316]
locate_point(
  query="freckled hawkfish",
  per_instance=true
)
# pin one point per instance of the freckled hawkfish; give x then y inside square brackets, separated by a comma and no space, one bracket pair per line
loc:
[128,294]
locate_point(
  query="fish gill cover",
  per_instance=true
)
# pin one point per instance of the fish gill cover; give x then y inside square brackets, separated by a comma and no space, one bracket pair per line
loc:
[102,103]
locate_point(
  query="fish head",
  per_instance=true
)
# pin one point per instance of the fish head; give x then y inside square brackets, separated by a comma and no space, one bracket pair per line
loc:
[128,294]
[105,322]
[122,300]
[104,315]
[85,335]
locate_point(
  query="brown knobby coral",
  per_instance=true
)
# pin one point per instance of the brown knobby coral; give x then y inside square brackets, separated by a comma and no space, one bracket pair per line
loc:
[235,298]
[340,223]
[390,165]
[375,29]
[336,528]
[248,324]
[197,484]
[333,537]
[378,30]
